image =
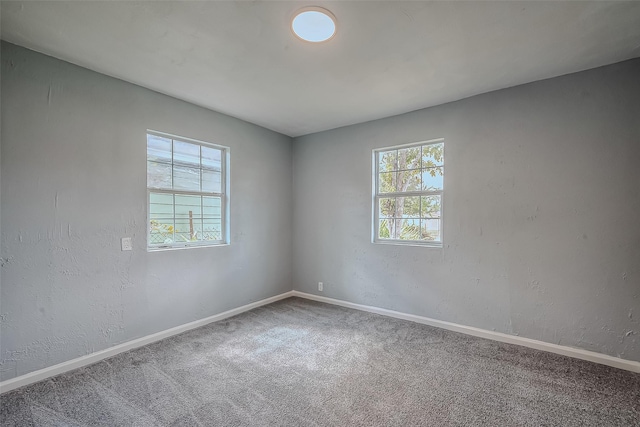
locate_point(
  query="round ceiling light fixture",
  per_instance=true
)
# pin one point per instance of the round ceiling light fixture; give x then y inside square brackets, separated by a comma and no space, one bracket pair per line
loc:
[313,24]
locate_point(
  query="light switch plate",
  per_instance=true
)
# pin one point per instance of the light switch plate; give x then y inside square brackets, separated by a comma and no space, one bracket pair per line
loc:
[126,244]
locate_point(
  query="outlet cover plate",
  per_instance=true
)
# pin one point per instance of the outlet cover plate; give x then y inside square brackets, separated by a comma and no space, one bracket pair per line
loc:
[126,244]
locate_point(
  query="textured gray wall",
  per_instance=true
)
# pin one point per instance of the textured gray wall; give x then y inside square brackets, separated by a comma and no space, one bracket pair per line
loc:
[541,205]
[74,183]
[541,229]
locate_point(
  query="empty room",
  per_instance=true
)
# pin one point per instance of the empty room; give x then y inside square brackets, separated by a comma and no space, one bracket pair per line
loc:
[333,213]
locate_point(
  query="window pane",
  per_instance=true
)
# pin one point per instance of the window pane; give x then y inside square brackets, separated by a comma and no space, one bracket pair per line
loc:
[161,205]
[212,218]
[186,153]
[161,198]
[188,217]
[196,227]
[387,208]
[430,206]
[161,212]
[410,229]
[186,178]
[408,207]
[160,237]
[433,178]
[212,221]
[408,180]
[387,161]
[211,181]
[182,234]
[409,158]
[430,229]
[387,182]
[211,201]
[188,200]
[385,229]
[158,175]
[212,230]
[158,148]
[212,158]
[432,155]
[187,204]
[212,212]
[161,215]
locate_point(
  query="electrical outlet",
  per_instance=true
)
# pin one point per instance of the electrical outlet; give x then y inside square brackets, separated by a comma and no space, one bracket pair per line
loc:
[320,286]
[126,244]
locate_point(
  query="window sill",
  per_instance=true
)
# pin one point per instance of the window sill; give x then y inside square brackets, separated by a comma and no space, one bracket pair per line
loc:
[437,245]
[179,248]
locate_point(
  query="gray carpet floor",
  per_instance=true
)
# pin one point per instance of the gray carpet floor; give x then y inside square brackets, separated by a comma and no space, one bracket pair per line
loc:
[302,363]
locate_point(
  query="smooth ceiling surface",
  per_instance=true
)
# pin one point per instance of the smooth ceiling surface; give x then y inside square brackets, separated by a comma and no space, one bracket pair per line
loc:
[241,59]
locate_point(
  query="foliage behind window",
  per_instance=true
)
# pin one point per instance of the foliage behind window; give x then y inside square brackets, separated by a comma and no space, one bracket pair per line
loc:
[408,193]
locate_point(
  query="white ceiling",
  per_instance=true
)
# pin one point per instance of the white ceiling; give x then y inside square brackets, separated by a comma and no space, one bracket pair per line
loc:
[240,58]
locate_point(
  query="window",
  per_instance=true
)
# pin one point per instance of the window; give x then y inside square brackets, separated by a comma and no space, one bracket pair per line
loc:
[408,187]
[186,192]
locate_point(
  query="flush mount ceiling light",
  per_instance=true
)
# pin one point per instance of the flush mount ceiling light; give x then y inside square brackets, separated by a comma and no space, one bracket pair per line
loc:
[313,24]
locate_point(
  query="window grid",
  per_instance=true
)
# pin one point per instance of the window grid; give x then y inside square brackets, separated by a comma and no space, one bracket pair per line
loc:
[428,163]
[171,233]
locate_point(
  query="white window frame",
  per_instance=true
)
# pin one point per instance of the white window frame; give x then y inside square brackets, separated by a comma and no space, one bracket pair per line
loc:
[224,196]
[377,196]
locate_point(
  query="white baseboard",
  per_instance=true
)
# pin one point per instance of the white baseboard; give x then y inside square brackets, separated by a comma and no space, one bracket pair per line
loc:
[70,365]
[89,359]
[577,353]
